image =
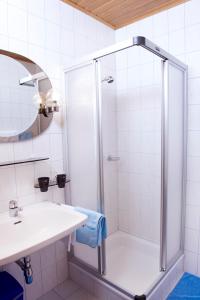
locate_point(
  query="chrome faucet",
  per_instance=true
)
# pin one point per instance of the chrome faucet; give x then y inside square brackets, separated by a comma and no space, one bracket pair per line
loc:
[14,209]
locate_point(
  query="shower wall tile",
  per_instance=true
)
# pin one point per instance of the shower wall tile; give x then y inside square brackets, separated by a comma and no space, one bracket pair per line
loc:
[178,29]
[45,31]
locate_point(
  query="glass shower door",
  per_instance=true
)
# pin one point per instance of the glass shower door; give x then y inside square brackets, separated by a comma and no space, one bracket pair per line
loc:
[131,94]
[82,150]
[173,163]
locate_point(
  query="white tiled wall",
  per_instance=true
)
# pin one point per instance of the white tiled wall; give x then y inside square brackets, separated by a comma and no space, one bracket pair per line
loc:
[52,34]
[178,31]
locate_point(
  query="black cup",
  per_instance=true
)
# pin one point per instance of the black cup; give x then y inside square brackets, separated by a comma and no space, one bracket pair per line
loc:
[43,183]
[61,180]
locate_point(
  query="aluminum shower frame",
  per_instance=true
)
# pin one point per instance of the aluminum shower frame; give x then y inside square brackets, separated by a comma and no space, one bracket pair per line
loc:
[166,59]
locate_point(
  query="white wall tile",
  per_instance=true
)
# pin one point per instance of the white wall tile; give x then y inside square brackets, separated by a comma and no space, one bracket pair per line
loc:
[193,62]
[36,30]
[193,172]
[25,179]
[177,42]
[36,7]
[193,193]
[19,3]
[36,262]
[18,28]
[52,36]
[26,199]
[198,267]
[67,42]
[160,23]
[191,240]
[191,260]
[61,249]
[6,152]
[127,31]
[43,151]
[23,150]
[62,270]
[67,15]
[192,217]
[193,117]
[162,41]
[49,278]
[193,143]
[52,11]
[7,179]
[192,42]
[18,46]
[177,17]
[48,256]
[191,12]
[56,146]
[121,34]
[3,42]
[3,18]
[193,91]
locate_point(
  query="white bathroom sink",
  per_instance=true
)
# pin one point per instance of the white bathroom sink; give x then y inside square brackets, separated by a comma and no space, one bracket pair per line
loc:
[37,226]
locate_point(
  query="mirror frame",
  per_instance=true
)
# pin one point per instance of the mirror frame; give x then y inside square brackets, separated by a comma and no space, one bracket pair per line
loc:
[42,121]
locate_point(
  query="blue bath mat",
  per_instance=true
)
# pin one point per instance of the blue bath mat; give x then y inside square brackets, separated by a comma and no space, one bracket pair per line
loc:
[187,288]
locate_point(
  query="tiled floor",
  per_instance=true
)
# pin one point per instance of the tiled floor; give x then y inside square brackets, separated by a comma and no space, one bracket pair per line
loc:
[68,290]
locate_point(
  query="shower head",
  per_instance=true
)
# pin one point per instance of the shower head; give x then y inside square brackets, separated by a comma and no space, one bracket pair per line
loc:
[108,79]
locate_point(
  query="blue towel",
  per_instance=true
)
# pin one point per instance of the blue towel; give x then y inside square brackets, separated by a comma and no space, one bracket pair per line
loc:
[94,231]
[187,288]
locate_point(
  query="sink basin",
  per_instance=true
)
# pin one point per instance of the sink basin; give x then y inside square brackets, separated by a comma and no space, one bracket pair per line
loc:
[37,226]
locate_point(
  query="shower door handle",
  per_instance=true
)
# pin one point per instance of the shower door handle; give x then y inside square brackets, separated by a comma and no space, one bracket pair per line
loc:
[113,158]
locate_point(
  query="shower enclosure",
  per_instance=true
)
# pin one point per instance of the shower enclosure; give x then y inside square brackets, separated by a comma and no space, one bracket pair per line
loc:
[126,147]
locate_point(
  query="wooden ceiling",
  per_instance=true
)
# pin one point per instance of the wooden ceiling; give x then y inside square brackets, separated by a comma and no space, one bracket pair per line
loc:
[118,13]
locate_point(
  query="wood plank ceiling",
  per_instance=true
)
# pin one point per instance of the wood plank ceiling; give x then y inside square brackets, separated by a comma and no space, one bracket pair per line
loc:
[118,13]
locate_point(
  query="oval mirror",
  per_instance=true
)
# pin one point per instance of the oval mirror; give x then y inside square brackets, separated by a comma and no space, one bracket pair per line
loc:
[26,107]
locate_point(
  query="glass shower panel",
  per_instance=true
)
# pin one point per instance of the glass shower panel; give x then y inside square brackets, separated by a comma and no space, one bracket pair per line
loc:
[82,147]
[131,134]
[175,148]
